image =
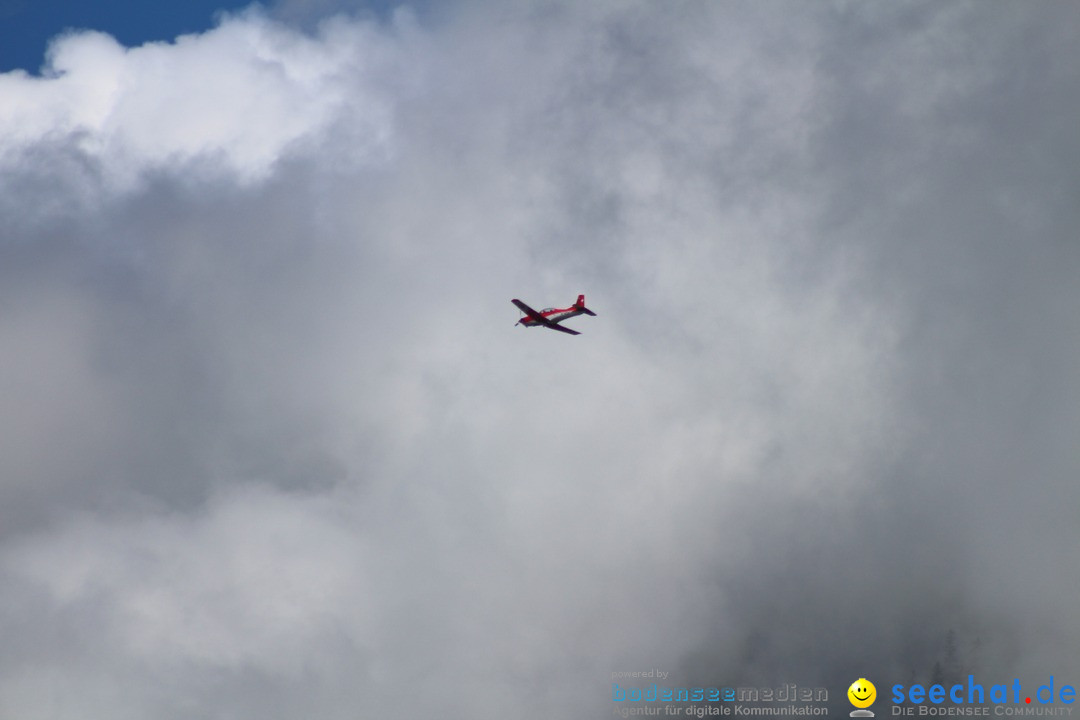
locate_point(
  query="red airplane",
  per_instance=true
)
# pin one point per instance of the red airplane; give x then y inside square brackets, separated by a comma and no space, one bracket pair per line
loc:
[550,317]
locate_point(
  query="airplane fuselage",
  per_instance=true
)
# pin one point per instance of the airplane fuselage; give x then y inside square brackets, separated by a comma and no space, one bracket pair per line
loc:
[552,314]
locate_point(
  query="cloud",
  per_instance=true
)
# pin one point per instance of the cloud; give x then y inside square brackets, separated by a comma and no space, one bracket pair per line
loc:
[272,445]
[241,97]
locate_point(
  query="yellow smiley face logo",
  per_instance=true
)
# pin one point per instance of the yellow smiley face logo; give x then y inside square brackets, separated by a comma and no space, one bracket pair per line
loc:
[862,693]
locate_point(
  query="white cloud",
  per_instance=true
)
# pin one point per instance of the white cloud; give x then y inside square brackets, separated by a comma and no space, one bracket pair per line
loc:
[242,96]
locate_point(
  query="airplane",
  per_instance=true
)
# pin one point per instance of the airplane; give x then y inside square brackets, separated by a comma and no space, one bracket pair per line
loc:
[550,317]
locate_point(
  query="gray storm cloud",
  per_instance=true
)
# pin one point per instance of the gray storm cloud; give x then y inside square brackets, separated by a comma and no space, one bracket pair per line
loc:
[272,446]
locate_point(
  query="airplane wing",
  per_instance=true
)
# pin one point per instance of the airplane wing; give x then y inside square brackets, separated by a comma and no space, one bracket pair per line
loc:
[530,312]
[557,326]
[541,319]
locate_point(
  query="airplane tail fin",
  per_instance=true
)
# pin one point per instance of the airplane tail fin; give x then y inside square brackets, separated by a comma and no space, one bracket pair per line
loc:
[580,305]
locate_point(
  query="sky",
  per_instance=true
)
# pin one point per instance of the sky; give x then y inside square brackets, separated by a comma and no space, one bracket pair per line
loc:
[27,27]
[272,446]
